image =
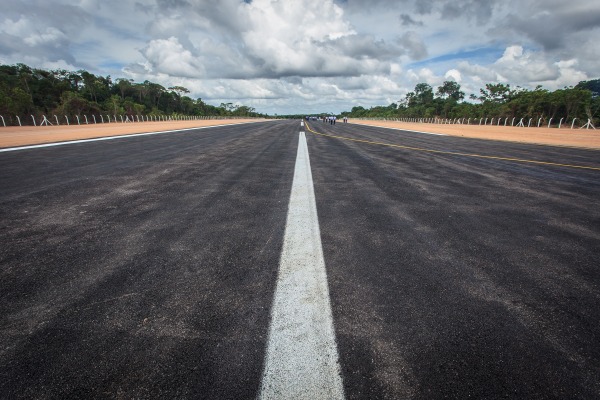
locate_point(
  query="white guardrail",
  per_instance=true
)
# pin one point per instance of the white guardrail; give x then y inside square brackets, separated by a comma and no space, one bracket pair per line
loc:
[523,122]
[44,120]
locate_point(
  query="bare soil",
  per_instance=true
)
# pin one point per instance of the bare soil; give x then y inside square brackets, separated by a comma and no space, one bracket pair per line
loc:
[584,138]
[13,136]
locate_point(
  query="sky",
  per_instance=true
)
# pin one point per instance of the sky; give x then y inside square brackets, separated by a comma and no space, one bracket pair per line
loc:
[309,56]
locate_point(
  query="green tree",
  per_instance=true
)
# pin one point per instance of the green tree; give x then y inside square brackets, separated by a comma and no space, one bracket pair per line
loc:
[450,90]
[423,94]
[27,90]
[142,90]
[20,102]
[113,104]
[496,93]
[73,103]
[576,101]
[124,86]
[178,92]
[155,91]
[592,85]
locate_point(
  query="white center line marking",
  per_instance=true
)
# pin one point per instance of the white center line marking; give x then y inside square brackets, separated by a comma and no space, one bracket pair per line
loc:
[302,359]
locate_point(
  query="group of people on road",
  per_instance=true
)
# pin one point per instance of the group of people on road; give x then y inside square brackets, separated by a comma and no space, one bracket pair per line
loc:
[331,119]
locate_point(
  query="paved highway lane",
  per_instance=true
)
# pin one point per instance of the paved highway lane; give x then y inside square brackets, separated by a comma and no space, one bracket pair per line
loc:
[147,267]
[142,267]
[456,276]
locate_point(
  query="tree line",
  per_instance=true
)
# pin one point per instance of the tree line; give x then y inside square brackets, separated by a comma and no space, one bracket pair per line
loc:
[25,90]
[496,100]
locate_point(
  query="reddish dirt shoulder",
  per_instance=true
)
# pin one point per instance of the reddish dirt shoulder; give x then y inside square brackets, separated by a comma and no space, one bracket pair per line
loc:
[14,136]
[589,139]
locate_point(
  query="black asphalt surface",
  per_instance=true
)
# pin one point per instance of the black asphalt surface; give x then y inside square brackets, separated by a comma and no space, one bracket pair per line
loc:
[145,267]
[142,267]
[460,277]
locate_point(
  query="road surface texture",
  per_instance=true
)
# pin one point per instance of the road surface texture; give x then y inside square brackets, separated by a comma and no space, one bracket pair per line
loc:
[146,267]
[142,267]
[456,276]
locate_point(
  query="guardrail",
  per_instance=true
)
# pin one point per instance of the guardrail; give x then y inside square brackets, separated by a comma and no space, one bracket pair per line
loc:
[525,122]
[91,119]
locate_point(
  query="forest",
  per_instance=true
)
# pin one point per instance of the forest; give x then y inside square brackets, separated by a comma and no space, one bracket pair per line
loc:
[496,100]
[26,91]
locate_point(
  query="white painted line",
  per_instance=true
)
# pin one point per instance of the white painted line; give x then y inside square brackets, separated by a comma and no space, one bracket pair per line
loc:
[301,123]
[302,359]
[405,130]
[131,135]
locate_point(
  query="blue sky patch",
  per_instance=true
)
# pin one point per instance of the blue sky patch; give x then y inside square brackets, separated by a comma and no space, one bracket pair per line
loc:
[485,55]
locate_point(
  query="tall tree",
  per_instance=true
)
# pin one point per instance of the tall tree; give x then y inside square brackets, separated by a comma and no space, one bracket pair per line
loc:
[423,93]
[496,93]
[156,91]
[592,85]
[450,90]
[124,86]
[179,91]
[26,90]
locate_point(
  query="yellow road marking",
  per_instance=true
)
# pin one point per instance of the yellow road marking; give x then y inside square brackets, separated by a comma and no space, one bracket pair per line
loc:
[455,153]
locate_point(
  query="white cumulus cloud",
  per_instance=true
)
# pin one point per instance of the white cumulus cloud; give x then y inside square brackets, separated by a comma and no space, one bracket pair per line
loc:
[281,56]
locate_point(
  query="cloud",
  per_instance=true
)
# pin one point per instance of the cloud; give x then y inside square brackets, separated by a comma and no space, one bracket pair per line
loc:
[262,39]
[518,65]
[407,20]
[551,23]
[414,45]
[424,6]
[481,11]
[325,45]
[479,74]
[285,55]
[525,68]
[171,58]
[424,75]
[568,75]
[50,37]
[23,36]
[453,75]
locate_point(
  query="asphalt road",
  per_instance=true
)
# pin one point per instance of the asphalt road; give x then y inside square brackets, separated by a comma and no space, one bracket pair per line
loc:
[146,267]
